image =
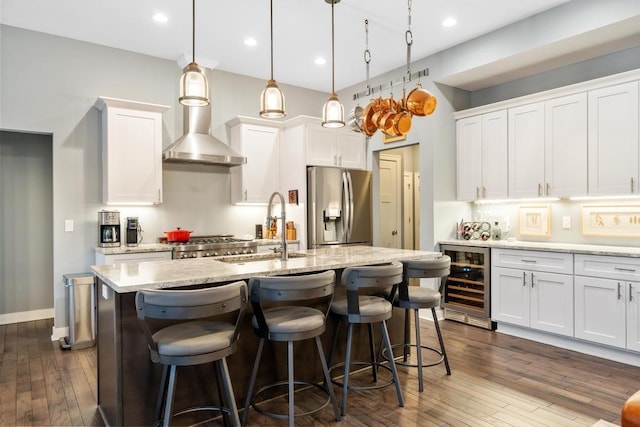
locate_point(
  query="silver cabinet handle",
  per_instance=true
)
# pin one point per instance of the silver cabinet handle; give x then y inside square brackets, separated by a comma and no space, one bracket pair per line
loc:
[630,292]
[529,261]
[539,189]
[619,290]
[532,283]
[245,195]
[632,185]
[548,189]
[628,270]
[477,192]
[524,278]
[484,192]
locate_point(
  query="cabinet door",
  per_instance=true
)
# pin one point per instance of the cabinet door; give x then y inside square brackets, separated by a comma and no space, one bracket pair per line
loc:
[526,150]
[633,316]
[132,257]
[469,155]
[551,302]
[509,296]
[132,156]
[321,146]
[600,310]
[494,155]
[565,146]
[350,149]
[260,177]
[613,140]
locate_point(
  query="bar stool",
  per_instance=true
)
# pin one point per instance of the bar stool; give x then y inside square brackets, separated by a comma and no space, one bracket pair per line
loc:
[356,309]
[414,298]
[290,323]
[194,342]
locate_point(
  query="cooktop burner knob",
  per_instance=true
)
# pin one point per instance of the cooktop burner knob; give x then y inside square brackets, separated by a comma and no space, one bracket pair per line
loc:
[194,255]
[215,254]
[235,252]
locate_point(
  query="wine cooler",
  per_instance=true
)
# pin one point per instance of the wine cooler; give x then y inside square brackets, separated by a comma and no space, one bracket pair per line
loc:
[466,293]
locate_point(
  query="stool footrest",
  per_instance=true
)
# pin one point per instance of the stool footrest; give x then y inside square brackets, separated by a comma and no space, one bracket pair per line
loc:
[359,362]
[400,359]
[285,383]
[197,409]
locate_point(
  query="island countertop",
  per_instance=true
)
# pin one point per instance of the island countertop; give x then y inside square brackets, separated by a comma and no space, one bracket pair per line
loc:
[131,277]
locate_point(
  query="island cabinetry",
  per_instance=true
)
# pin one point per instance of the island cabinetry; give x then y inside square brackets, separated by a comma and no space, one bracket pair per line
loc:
[482,156]
[533,289]
[613,140]
[607,300]
[131,257]
[466,292]
[255,181]
[131,151]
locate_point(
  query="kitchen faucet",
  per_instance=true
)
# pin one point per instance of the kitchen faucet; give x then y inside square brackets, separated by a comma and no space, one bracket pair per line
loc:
[285,252]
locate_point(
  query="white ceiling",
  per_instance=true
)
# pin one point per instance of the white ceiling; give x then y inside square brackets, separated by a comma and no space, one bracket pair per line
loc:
[302,31]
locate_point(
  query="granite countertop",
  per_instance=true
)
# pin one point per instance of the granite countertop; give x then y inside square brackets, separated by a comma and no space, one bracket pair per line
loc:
[574,248]
[143,247]
[130,277]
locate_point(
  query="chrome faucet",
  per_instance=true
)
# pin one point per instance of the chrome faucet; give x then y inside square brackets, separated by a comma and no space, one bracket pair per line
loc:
[285,252]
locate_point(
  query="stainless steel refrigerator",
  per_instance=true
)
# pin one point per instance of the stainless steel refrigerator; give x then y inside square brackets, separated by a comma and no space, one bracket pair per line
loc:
[338,207]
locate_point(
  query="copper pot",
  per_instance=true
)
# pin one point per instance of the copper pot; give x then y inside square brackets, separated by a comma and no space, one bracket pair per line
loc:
[421,102]
[402,120]
[368,125]
[388,106]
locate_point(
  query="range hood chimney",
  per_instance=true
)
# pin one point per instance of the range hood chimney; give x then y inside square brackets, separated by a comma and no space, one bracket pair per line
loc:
[197,145]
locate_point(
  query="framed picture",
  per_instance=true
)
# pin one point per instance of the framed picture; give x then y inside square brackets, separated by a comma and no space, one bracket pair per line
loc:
[608,220]
[293,197]
[386,138]
[534,220]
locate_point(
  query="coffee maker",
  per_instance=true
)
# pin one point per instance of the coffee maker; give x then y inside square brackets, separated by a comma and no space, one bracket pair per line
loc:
[109,229]
[134,231]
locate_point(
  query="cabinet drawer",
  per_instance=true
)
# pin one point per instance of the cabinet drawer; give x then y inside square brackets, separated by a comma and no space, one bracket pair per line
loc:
[608,267]
[553,262]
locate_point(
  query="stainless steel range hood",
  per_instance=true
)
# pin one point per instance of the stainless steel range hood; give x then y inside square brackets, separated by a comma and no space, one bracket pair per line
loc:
[197,145]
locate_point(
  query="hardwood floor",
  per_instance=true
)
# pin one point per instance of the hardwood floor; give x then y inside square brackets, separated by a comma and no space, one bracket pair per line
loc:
[496,380]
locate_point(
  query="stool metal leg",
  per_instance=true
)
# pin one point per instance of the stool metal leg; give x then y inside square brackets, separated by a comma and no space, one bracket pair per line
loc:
[327,378]
[228,388]
[170,391]
[418,348]
[221,393]
[290,380]
[161,392]
[407,337]
[444,352]
[252,382]
[374,367]
[347,359]
[392,363]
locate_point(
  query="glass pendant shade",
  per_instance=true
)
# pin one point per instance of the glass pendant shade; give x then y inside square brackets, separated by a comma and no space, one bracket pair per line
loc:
[272,102]
[333,113]
[194,89]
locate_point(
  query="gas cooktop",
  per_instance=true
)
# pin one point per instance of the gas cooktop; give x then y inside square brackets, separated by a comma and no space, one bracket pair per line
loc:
[211,246]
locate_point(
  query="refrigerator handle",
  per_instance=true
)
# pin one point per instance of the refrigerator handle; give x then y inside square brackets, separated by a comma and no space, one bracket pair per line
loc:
[350,204]
[346,206]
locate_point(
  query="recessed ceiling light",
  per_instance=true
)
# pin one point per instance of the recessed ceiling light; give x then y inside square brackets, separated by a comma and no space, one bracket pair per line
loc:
[160,17]
[449,22]
[250,41]
[320,61]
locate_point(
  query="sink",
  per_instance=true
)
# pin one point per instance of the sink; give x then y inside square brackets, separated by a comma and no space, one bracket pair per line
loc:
[265,256]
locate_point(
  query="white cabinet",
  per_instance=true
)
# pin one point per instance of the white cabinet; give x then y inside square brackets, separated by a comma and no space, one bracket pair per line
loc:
[131,257]
[607,295]
[131,151]
[526,150]
[533,289]
[482,156]
[335,147]
[613,140]
[255,181]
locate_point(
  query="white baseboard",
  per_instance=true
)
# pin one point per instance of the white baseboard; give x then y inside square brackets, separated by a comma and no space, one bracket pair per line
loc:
[26,316]
[58,333]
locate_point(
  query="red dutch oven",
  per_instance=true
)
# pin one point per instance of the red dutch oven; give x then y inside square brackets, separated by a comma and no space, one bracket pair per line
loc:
[178,235]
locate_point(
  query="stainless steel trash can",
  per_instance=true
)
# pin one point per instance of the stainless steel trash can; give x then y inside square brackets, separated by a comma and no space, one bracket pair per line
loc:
[81,311]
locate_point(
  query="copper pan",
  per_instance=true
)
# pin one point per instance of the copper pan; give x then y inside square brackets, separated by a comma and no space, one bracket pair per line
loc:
[402,120]
[420,102]
[368,125]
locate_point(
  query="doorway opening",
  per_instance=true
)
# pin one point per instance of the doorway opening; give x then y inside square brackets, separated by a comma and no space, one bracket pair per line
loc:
[399,197]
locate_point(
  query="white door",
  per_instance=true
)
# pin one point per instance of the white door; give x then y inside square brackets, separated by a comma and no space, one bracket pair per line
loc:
[552,302]
[390,201]
[509,296]
[526,150]
[600,310]
[633,316]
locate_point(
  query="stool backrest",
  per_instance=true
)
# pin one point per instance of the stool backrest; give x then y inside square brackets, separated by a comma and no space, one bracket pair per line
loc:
[372,276]
[427,267]
[292,288]
[190,304]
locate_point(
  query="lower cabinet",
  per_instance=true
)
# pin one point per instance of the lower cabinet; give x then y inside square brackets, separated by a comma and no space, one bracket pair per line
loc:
[607,300]
[131,257]
[524,294]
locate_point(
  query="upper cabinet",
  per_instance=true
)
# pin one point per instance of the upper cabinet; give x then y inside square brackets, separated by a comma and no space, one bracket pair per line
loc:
[334,147]
[526,150]
[482,156]
[255,181]
[613,140]
[131,151]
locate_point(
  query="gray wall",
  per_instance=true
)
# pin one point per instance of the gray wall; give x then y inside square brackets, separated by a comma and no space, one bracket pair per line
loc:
[26,212]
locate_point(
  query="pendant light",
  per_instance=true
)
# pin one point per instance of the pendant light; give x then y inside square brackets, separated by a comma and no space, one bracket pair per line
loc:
[333,111]
[194,89]
[272,98]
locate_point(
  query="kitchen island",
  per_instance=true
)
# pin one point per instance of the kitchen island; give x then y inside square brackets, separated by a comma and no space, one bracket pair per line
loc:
[127,379]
